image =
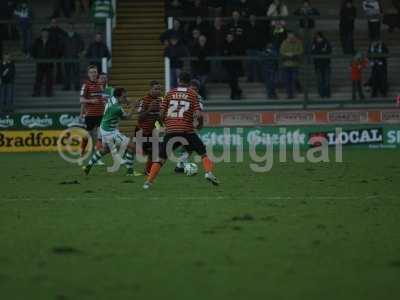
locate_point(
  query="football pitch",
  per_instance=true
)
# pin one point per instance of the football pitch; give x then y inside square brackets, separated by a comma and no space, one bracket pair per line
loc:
[300,231]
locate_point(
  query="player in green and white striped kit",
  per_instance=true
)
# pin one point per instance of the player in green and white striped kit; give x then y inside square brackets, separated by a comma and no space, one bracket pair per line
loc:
[110,135]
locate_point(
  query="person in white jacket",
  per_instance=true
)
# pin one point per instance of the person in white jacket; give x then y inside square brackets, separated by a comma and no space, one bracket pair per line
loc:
[277,9]
[373,11]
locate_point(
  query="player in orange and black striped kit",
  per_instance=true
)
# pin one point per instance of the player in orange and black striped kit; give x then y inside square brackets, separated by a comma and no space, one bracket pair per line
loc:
[93,103]
[179,111]
[149,114]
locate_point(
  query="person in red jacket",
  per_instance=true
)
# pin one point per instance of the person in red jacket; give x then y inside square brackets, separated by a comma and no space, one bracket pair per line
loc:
[358,64]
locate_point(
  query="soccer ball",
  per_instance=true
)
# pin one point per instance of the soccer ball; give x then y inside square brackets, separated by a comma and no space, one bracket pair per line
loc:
[190,169]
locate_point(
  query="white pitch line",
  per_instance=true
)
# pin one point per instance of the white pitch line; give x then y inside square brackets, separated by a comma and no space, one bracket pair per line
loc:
[149,197]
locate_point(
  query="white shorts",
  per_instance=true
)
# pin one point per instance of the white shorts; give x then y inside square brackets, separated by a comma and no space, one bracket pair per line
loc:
[113,138]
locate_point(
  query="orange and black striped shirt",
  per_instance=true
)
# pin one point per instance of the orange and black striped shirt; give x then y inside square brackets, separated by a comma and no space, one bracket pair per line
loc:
[92,90]
[147,123]
[178,107]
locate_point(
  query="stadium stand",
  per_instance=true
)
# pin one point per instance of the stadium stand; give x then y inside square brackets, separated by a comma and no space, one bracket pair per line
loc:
[137,57]
[341,83]
[25,67]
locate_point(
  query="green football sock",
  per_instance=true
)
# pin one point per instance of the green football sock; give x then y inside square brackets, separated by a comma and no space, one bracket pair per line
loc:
[95,158]
[129,160]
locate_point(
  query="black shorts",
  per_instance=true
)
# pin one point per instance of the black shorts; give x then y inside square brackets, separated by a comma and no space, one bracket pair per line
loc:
[92,122]
[146,145]
[190,141]
[147,148]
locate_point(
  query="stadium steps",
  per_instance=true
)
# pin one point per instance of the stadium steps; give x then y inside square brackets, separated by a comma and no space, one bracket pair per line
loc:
[137,52]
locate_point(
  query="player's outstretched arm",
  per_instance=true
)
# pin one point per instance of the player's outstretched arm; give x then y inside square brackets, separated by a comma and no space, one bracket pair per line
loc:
[129,113]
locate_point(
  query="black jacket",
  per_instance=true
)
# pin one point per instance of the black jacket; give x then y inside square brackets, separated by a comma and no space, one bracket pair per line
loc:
[347,16]
[200,66]
[41,50]
[169,33]
[216,40]
[56,35]
[239,31]
[256,37]
[322,48]
[7,72]
[378,49]
[309,23]
[232,49]
[97,51]
[175,54]
[72,45]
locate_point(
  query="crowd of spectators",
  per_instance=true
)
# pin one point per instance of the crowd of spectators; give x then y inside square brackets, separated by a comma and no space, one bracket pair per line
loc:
[66,46]
[54,42]
[229,39]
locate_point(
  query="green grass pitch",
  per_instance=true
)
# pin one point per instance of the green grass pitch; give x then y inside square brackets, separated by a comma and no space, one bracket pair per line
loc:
[301,231]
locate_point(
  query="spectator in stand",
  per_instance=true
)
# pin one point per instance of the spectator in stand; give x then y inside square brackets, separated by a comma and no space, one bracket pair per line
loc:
[64,6]
[321,46]
[216,44]
[1,45]
[201,67]
[233,67]
[175,8]
[215,8]
[348,14]
[291,52]
[12,28]
[391,18]
[307,11]
[197,8]
[277,9]
[85,6]
[255,42]
[175,52]
[379,75]
[23,14]
[372,10]
[278,35]
[358,64]
[176,31]
[307,25]
[97,50]
[101,10]
[43,48]
[237,28]
[3,17]
[244,9]
[73,47]
[194,38]
[57,35]
[396,5]
[201,25]
[270,66]
[7,30]
[7,76]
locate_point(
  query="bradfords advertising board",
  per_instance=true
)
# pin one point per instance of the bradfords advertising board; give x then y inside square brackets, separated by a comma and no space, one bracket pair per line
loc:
[387,136]
[37,141]
[38,121]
